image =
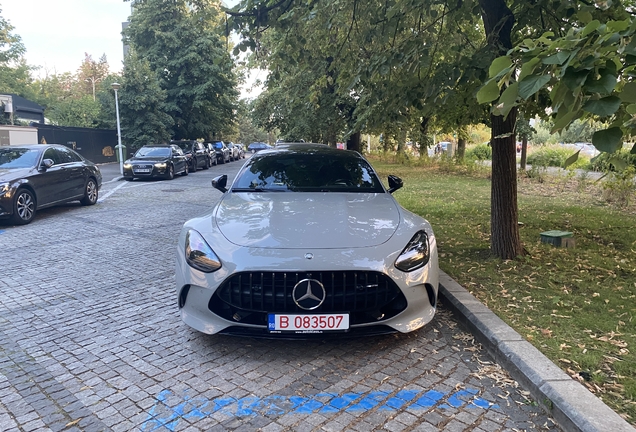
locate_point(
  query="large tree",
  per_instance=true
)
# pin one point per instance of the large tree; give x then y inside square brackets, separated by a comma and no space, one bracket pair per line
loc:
[141,103]
[15,74]
[181,42]
[91,73]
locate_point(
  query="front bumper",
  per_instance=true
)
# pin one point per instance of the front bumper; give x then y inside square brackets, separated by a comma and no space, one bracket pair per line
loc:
[139,171]
[205,307]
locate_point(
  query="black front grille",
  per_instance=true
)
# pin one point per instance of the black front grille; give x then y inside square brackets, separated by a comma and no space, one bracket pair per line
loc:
[249,296]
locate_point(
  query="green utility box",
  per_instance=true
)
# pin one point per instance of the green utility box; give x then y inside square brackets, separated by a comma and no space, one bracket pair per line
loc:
[558,238]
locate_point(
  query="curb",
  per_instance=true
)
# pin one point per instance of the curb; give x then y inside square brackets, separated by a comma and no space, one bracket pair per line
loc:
[571,405]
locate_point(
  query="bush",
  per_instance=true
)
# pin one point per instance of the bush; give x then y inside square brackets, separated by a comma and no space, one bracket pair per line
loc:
[619,188]
[555,156]
[479,152]
[601,162]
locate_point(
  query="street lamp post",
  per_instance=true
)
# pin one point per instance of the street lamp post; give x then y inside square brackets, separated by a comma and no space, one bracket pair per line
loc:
[115,87]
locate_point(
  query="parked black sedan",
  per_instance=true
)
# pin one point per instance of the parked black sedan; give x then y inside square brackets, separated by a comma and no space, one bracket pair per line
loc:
[221,150]
[158,160]
[196,152]
[36,176]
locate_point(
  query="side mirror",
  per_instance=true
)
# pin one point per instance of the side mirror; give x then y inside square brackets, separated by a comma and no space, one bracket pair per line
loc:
[395,183]
[220,183]
[47,163]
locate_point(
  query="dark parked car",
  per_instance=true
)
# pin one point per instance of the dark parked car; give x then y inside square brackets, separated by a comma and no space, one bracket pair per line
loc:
[221,150]
[198,154]
[212,159]
[258,146]
[36,176]
[160,160]
[234,151]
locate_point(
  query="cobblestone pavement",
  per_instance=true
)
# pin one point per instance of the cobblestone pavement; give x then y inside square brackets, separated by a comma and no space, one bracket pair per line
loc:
[91,340]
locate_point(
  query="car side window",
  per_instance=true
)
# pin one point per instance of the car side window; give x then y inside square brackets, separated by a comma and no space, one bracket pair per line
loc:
[64,155]
[52,154]
[74,156]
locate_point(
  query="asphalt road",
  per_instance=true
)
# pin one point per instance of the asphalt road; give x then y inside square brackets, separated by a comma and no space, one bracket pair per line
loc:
[91,340]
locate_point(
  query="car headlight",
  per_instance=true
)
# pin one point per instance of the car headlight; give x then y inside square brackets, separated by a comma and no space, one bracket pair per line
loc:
[416,253]
[199,254]
[4,188]
[160,165]
[127,166]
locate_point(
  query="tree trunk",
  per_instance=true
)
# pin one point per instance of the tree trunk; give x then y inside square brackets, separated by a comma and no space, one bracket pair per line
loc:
[461,149]
[524,152]
[505,241]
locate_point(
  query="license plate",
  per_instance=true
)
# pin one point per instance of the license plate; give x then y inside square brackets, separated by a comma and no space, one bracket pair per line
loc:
[308,323]
[142,170]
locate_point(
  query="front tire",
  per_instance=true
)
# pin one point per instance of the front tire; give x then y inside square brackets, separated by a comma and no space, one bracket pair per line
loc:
[170,172]
[23,207]
[208,163]
[91,193]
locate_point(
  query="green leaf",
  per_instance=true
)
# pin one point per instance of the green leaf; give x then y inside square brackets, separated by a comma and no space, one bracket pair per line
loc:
[618,26]
[532,84]
[605,85]
[575,79]
[488,93]
[603,107]
[498,65]
[590,27]
[585,16]
[564,121]
[633,150]
[508,99]
[618,163]
[557,59]
[569,161]
[631,109]
[608,140]
[628,94]
[528,67]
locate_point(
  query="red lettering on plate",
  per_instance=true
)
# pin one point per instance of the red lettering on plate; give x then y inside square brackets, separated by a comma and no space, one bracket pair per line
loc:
[284,322]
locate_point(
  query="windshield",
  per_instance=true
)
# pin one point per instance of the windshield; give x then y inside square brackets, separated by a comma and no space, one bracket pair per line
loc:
[153,151]
[217,145]
[18,158]
[308,172]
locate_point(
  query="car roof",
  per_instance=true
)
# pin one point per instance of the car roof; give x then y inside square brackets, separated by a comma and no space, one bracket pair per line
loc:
[35,146]
[308,149]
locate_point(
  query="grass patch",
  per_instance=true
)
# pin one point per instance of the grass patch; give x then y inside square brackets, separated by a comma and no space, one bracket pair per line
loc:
[575,305]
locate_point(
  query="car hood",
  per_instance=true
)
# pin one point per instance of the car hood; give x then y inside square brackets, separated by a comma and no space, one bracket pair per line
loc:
[14,173]
[313,220]
[149,159]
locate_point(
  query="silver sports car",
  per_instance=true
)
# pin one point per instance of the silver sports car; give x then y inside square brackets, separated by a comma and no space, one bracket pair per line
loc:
[307,241]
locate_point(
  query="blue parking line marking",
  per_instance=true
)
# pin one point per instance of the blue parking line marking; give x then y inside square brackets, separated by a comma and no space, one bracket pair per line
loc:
[400,399]
[429,398]
[169,410]
[369,402]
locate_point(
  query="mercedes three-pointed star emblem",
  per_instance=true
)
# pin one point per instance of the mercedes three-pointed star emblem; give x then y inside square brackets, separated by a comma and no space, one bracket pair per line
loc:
[309,294]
